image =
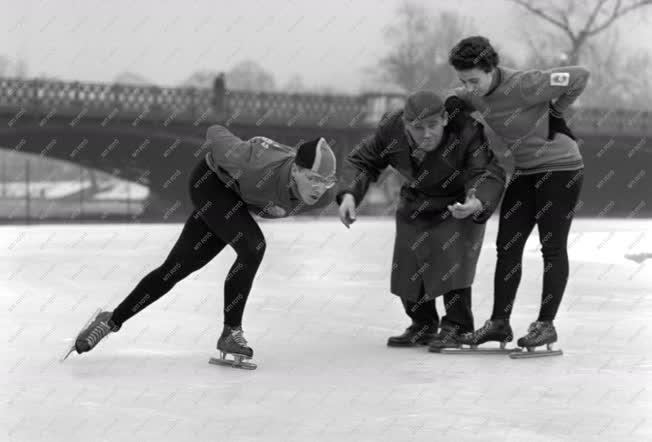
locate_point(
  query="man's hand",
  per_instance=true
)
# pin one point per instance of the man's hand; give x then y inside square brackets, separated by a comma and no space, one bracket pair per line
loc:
[347,210]
[471,205]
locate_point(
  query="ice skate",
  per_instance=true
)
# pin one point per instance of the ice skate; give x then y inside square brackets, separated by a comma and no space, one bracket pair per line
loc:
[497,330]
[538,333]
[232,342]
[447,338]
[96,329]
[416,334]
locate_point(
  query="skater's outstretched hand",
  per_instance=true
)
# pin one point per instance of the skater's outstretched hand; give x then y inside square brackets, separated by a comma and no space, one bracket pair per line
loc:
[471,205]
[347,210]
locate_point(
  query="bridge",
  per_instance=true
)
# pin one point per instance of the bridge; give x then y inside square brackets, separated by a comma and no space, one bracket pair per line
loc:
[154,135]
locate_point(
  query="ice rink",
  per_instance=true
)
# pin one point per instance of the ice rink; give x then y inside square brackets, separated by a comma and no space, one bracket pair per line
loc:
[318,318]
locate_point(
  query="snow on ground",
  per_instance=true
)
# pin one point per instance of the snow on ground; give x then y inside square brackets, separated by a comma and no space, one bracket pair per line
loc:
[48,189]
[318,319]
[124,190]
[118,189]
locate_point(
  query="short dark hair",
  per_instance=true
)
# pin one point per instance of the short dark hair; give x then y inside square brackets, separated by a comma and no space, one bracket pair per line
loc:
[473,52]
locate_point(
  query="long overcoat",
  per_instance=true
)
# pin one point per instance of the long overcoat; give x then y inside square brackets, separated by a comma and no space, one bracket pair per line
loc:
[433,251]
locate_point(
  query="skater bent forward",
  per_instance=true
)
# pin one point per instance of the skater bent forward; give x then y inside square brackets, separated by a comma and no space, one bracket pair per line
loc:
[236,178]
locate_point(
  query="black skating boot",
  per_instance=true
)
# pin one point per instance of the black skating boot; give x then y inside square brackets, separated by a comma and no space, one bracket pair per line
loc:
[448,337]
[497,330]
[99,328]
[232,342]
[416,334]
[538,333]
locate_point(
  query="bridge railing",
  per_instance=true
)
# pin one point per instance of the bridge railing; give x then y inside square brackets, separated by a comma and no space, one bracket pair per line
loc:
[296,109]
[77,99]
[97,99]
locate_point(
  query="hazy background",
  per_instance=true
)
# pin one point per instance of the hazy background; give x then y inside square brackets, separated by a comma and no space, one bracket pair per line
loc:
[304,45]
[291,46]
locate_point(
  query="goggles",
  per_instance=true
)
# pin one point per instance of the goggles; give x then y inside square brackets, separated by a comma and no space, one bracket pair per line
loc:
[327,182]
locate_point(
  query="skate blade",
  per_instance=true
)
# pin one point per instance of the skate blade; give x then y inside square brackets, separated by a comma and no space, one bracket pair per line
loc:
[73,347]
[484,351]
[236,362]
[502,350]
[535,354]
[418,344]
[441,349]
[65,356]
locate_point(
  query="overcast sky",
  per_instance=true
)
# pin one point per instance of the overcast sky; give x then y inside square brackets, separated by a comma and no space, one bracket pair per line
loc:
[327,42]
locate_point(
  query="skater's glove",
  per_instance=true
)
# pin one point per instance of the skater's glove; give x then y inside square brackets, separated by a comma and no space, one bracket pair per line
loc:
[557,124]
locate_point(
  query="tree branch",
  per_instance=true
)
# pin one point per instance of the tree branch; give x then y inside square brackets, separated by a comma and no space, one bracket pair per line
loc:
[593,15]
[617,12]
[539,12]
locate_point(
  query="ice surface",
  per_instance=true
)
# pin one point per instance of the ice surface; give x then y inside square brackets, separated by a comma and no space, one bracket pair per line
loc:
[318,319]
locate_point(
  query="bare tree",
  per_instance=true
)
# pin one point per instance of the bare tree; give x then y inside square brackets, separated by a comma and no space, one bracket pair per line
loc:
[295,85]
[200,79]
[13,68]
[4,64]
[419,43]
[132,78]
[580,20]
[21,68]
[249,75]
[618,77]
[544,50]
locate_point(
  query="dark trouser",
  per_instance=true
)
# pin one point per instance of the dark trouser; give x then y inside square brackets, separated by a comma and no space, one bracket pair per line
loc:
[458,310]
[220,218]
[547,200]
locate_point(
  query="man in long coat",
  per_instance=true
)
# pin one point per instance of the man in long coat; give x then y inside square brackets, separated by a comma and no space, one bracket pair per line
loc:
[454,184]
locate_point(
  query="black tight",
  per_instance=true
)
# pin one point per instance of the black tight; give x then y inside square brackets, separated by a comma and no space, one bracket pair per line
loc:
[547,200]
[220,218]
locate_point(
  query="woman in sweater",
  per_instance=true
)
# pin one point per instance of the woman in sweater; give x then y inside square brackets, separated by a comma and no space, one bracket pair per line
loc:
[525,109]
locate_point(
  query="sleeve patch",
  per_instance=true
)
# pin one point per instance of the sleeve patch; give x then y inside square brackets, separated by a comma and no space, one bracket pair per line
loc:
[559,79]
